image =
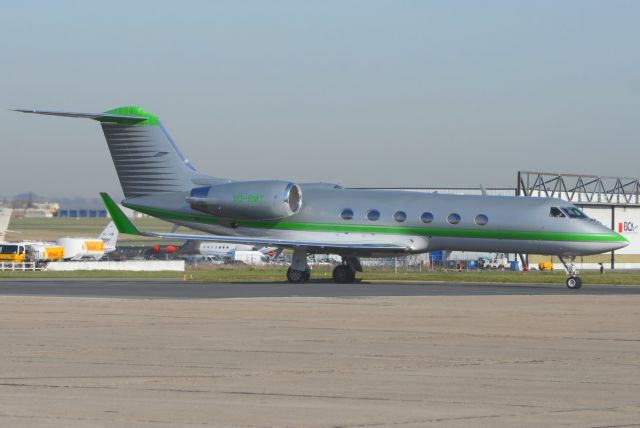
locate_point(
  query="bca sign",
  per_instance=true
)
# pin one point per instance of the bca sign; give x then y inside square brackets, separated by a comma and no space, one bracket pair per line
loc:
[627,227]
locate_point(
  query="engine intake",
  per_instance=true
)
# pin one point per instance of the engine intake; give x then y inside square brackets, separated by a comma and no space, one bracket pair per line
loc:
[250,200]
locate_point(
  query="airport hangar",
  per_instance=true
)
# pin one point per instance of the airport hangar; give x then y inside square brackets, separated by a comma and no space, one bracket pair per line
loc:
[613,201]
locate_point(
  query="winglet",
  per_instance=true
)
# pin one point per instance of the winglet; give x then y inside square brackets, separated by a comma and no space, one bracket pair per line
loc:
[122,222]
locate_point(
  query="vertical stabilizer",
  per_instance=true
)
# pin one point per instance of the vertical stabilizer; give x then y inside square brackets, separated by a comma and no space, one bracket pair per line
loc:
[5,217]
[147,160]
[110,237]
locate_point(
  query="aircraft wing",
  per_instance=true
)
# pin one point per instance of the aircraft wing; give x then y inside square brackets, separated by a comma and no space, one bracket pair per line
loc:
[281,242]
[124,225]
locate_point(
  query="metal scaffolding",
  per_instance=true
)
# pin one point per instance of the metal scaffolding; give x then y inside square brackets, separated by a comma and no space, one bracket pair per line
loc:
[580,189]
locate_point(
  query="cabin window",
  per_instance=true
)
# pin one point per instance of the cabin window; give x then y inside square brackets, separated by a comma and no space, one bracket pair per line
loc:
[454,218]
[574,212]
[400,216]
[373,215]
[555,212]
[481,219]
[426,217]
[346,214]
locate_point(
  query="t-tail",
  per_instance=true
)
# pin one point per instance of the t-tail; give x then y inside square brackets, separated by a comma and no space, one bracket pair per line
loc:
[146,158]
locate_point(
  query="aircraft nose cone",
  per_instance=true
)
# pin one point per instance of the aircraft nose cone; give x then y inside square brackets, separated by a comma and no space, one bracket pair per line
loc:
[623,243]
[615,241]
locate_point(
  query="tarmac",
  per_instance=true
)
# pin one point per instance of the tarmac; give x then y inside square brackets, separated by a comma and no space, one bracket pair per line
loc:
[166,353]
[171,289]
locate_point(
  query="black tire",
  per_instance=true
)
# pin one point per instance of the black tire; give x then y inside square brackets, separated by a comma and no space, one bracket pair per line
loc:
[307,274]
[295,276]
[574,283]
[343,274]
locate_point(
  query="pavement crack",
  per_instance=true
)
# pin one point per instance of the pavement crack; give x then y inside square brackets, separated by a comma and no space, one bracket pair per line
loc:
[337,397]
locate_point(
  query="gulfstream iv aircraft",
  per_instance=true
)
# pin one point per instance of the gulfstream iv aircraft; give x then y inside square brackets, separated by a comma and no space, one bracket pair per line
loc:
[157,179]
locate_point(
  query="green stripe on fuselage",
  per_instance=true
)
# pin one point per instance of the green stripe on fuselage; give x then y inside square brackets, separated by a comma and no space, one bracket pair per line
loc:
[398,230]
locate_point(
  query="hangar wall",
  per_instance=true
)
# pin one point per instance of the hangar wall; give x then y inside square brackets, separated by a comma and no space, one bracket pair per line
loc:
[627,223]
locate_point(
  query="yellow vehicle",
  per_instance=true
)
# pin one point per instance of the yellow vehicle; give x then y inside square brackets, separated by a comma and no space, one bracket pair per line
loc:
[44,252]
[545,266]
[12,253]
[54,253]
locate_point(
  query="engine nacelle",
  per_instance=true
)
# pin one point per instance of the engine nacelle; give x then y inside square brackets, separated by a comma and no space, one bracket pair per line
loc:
[248,200]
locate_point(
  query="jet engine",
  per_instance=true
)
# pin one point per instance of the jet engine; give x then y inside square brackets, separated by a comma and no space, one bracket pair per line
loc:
[248,200]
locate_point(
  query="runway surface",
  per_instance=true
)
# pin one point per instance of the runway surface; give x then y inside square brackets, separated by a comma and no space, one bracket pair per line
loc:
[459,361]
[165,353]
[162,289]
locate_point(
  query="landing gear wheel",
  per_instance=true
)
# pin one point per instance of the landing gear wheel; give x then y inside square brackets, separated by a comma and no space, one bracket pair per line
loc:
[295,276]
[574,282]
[343,274]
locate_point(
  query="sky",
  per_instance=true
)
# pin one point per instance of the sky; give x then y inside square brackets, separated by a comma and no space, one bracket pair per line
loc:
[361,93]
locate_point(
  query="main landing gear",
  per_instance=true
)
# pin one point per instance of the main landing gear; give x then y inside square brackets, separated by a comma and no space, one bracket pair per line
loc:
[346,272]
[573,280]
[343,274]
[299,271]
[298,276]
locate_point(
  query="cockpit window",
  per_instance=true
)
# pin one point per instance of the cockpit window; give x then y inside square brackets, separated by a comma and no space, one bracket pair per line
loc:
[555,212]
[574,212]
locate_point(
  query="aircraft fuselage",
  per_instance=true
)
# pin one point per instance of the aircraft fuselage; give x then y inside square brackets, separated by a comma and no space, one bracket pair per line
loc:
[429,222]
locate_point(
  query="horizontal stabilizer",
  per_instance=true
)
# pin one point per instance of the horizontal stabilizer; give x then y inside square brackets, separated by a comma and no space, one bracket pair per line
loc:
[101,117]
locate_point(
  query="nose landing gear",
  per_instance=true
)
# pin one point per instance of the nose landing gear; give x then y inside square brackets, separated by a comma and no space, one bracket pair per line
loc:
[573,281]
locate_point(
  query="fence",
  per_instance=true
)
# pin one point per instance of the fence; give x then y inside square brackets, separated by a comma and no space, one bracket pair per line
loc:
[19,267]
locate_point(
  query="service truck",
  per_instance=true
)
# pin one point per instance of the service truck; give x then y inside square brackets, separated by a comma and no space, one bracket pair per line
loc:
[37,252]
[498,261]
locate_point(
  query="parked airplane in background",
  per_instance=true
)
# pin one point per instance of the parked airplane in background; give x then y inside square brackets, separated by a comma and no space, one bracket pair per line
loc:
[225,249]
[158,180]
[218,249]
[5,217]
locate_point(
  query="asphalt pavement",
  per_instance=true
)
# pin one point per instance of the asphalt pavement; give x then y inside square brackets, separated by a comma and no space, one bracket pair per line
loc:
[169,289]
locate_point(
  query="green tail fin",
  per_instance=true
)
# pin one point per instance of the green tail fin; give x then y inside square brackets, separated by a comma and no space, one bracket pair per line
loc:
[122,222]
